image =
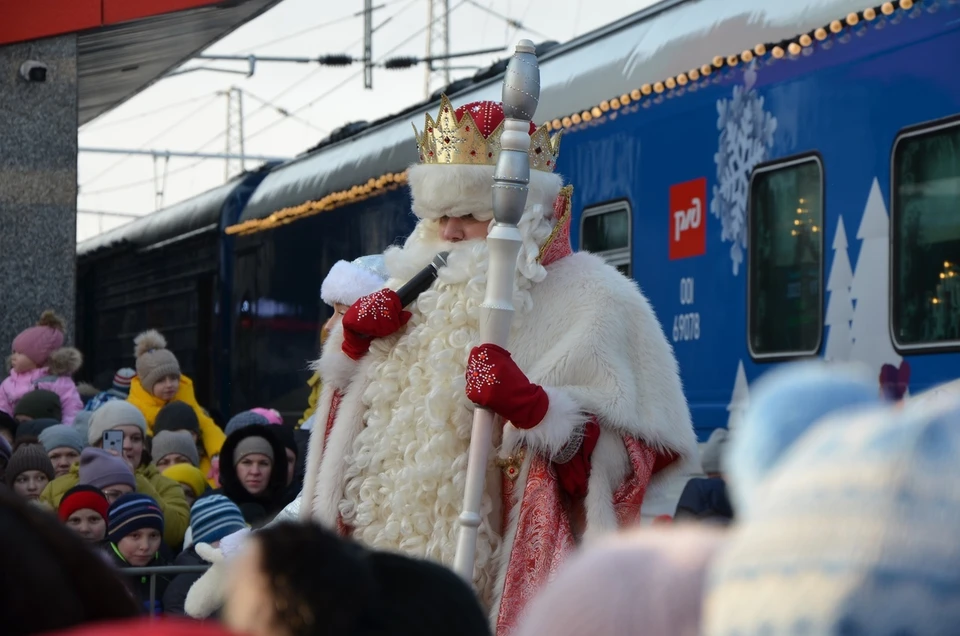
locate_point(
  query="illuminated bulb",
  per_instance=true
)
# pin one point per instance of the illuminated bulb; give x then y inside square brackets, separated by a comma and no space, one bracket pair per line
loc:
[567,122]
[646,89]
[732,60]
[595,111]
[760,50]
[705,70]
[575,119]
[869,14]
[793,232]
[796,221]
[942,275]
[658,87]
[635,95]
[682,79]
[615,103]
[794,48]
[886,8]
[586,116]
[935,301]
[852,19]
[746,56]
[671,83]
[604,105]
[836,26]
[906,4]
[694,75]
[718,61]
[624,99]
[946,263]
[820,34]
[805,40]
[814,228]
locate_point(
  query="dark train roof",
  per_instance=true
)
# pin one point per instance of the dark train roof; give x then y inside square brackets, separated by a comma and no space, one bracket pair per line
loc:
[192,215]
[651,45]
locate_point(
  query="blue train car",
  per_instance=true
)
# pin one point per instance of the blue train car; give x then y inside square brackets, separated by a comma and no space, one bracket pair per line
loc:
[781,179]
[172,271]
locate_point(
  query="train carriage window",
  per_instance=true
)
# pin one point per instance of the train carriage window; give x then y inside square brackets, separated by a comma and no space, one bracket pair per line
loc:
[785,270]
[605,231]
[925,224]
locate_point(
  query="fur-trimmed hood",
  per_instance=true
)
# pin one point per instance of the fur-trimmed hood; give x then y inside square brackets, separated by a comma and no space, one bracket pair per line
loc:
[65,361]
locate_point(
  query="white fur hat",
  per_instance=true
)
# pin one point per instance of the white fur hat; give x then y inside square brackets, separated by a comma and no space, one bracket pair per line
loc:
[442,187]
[347,282]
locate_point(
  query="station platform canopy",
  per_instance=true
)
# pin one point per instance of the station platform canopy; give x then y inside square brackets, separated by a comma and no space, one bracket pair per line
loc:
[123,46]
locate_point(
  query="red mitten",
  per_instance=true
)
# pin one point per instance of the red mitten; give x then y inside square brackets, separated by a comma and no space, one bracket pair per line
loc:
[495,382]
[574,474]
[375,316]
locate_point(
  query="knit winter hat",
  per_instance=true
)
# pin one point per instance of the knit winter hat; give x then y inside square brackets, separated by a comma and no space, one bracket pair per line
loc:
[154,360]
[244,419]
[347,282]
[213,517]
[189,475]
[132,512]
[252,445]
[83,497]
[100,468]
[713,450]
[28,457]
[38,342]
[111,415]
[33,428]
[176,416]
[784,403]
[61,436]
[179,442]
[121,381]
[39,404]
[855,532]
[606,590]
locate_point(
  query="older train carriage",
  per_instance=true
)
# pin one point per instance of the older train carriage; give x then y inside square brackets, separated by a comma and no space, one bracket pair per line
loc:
[170,270]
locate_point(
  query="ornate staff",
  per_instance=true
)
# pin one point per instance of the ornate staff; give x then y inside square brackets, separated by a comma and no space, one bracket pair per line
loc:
[521,93]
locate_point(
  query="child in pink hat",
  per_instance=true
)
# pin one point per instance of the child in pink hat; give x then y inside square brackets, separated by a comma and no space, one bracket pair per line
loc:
[40,361]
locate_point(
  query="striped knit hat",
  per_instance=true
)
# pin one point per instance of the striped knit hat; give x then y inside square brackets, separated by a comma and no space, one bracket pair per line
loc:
[854,533]
[214,517]
[121,381]
[132,512]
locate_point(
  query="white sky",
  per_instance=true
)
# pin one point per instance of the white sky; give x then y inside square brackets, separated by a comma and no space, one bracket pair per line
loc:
[184,113]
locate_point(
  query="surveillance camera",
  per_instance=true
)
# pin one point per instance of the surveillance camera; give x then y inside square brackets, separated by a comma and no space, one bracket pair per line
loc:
[33,71]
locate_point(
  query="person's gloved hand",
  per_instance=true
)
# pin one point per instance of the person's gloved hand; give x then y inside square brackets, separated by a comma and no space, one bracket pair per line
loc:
[495,382]
[377,315]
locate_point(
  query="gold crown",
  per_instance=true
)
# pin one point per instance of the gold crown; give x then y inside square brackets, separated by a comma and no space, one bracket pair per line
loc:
[445,140]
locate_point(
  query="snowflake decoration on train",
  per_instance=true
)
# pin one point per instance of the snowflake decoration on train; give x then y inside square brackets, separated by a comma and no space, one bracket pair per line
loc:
[746,134]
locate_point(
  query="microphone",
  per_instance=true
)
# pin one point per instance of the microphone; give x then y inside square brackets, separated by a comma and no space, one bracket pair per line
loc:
[422,281]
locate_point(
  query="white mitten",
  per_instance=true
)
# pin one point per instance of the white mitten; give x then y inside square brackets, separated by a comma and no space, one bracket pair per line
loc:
[206,595]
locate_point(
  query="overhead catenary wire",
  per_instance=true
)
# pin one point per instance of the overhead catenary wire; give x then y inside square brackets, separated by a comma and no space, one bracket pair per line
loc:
[352,77]
[210,100]
[517,24]
[97,125]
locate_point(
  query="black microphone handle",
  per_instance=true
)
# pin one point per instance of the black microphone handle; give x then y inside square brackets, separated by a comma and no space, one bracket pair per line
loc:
[417,285]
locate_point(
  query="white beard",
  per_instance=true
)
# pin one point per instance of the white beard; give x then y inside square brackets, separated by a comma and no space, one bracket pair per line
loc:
[405,475]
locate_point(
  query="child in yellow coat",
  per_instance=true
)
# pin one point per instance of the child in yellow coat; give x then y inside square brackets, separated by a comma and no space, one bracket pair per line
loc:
[159,382]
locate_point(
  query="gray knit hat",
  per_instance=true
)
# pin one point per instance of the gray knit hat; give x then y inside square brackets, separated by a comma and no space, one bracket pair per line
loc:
[154,360]
[179,442]
[253,445]
[61,436]
[111,415]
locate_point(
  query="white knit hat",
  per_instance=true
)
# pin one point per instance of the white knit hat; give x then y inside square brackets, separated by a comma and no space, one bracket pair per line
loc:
[347,282]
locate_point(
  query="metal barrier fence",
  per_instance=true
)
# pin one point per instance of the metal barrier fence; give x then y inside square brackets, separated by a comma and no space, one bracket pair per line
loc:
[154,571]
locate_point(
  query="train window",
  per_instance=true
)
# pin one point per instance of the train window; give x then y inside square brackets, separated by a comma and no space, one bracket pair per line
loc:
[926,237]
[785,270]
[605,231]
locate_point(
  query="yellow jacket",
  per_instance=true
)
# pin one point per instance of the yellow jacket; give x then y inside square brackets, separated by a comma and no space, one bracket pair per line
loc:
[211,436]
[316,386]
[165,491]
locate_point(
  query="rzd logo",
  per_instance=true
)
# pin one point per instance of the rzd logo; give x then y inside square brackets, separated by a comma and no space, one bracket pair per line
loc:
[688,219]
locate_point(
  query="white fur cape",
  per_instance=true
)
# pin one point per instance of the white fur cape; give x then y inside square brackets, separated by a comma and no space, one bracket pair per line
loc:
[594,343]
